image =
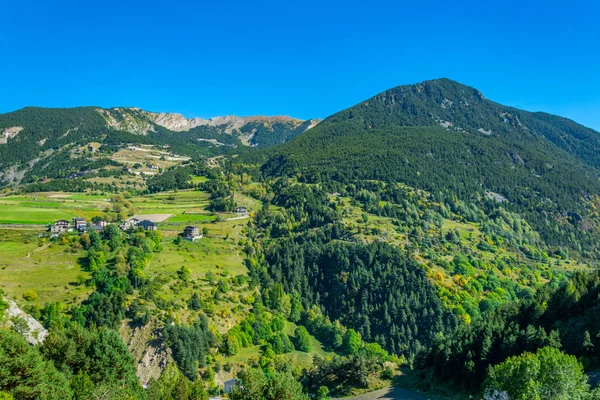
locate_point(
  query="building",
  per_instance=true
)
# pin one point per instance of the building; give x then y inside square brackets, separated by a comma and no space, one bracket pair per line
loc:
[241,211]
[80,224]
[147,225]
[191,233]
[229,385]
[60,226]
[98,226]
[129,224]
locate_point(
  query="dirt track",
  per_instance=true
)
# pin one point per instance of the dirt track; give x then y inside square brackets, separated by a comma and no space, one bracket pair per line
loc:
[153,217]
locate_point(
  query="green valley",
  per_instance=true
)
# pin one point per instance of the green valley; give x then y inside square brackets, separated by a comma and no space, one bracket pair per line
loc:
[427,238]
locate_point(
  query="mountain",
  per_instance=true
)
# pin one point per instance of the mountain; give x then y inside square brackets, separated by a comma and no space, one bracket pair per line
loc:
[33,135]
[446,137]
[255,131]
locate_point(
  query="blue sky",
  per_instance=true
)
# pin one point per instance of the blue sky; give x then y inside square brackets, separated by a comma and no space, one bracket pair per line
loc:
[299,58]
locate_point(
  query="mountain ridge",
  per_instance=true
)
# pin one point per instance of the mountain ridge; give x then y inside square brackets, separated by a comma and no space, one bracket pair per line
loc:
[178,122]
[442,136]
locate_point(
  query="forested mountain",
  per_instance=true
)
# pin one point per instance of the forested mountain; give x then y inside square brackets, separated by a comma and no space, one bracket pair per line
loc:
[34,135]
[448,138]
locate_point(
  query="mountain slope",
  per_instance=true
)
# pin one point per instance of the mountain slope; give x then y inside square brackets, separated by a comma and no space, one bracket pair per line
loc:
[33,135]
[448,138]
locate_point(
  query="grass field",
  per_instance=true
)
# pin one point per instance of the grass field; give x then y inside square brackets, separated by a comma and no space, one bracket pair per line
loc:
[49,270]
[198,179]
[44,208]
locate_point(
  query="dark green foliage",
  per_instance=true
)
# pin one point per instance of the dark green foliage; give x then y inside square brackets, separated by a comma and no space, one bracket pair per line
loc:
[63,165]
[373,288]
[174,178]
[302,338]
[256,384]
[545,166]
[116,275]
[195,303]
[560,317]
[96,355]
[55,125]
[104,309]
[265,134]
[190,345]
[221,195]
[67,185]
[25,374]
[353,371]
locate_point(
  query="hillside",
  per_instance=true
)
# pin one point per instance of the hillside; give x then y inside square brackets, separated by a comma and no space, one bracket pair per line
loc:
[448,138]
[34,139]
[419,238]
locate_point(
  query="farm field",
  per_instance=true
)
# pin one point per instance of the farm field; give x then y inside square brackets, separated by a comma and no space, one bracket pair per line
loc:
[45,208]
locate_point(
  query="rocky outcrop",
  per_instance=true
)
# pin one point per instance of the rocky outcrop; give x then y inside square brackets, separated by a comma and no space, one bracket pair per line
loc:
[146,348]
[175,122]
[140,122]
[9,133]
[25,324]
[127,119]
[229,123]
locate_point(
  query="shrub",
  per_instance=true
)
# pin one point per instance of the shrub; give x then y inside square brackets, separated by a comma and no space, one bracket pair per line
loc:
[30,295]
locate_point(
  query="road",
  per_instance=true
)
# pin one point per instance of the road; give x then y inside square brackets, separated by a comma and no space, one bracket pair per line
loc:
[389,393]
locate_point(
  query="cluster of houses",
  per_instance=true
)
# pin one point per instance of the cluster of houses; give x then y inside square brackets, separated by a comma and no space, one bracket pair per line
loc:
[78,224]
[81,225]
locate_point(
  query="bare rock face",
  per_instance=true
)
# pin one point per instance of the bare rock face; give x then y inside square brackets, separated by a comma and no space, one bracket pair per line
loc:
[176,122]
[140,122]
[127,119]
[25,324]
[148,351]
[9,133]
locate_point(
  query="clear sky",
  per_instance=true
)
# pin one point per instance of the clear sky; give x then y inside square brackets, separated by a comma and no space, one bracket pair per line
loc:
[299,58]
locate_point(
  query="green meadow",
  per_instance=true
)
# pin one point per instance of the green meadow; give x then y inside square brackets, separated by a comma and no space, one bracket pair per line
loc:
[29,262]
[45,208]
[50,269]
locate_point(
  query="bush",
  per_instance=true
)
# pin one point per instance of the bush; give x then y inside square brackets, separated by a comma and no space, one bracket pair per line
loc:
[30,295]
[302,339]
[547,374]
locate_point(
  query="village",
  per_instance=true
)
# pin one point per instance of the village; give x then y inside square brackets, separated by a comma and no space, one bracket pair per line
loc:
[77,224]
[80,225]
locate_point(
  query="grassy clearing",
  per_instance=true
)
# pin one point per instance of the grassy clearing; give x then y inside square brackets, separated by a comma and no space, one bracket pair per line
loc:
[198,179]
[300,358]
[146,155]
[44,208]
[52,272]
[29,215]
[49,270]
[297,358]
